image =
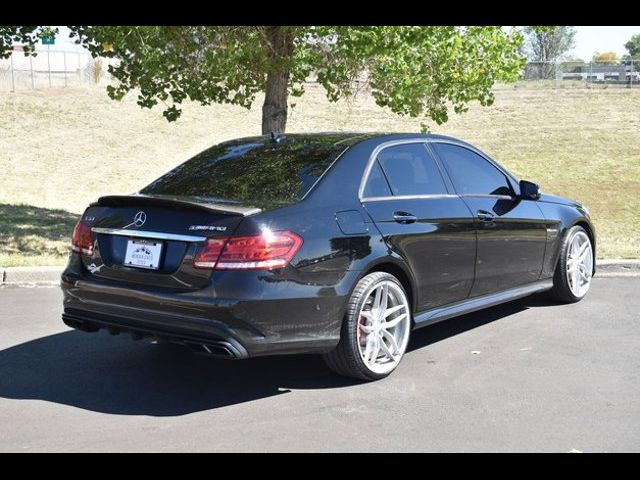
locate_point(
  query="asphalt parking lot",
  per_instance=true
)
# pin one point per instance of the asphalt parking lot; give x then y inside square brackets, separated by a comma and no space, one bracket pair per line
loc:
[525,376]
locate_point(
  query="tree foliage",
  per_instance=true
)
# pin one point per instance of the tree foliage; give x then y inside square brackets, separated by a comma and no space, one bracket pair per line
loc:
[419,71]
[633,47]
[27,36]
[606,58]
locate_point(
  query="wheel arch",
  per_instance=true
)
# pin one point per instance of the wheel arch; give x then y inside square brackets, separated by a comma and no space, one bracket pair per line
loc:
[584,223]
[400,272]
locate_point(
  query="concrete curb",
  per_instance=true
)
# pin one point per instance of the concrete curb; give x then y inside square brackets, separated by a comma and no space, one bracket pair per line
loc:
[30,275]
[618,268]
[51,275]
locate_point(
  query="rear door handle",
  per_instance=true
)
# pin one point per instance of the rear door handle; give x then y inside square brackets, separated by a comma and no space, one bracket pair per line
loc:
[484,215]
[404,217]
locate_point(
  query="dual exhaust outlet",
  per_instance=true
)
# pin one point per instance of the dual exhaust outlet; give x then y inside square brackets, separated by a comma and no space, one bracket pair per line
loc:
[212,349]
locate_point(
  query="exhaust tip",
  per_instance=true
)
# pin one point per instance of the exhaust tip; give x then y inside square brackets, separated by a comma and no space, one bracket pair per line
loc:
[81,325]
[210,349]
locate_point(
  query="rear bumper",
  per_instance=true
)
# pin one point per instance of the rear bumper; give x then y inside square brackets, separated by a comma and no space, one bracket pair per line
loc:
[289,317]
[212,340]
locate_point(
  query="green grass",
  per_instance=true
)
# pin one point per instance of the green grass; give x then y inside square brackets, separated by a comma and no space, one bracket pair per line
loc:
[62,148]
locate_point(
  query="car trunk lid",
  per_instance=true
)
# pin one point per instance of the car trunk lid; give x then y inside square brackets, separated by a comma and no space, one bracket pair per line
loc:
[153,239]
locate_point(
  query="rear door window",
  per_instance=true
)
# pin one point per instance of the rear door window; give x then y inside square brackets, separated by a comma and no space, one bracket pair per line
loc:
[411,170]
[377,185]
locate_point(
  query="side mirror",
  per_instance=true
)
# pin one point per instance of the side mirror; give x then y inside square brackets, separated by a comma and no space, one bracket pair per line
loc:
[529,190]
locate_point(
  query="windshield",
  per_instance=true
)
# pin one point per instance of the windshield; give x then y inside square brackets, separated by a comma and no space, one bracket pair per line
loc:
[255,171]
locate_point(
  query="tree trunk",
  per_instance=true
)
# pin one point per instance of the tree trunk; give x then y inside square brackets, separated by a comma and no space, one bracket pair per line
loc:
[274,110]
[279,43]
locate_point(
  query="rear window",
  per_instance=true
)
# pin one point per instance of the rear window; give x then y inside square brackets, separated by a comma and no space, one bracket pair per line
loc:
[255,171]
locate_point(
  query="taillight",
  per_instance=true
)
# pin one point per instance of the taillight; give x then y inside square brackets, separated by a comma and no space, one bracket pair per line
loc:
[264,251]
[210,252]
[81,241]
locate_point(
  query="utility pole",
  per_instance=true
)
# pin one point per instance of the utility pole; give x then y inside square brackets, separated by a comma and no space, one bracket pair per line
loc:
[33,85]
[49,64]
[64,63]
[13,80]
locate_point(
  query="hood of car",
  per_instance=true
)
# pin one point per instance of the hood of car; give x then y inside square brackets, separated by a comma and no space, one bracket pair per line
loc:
[548,198]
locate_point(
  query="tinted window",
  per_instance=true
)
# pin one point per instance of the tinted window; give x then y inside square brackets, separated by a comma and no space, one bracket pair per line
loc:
[470,173]
[411,170]
[253,171]
[377,185]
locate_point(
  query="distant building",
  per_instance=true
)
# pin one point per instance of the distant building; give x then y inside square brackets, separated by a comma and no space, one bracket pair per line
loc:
[601,73]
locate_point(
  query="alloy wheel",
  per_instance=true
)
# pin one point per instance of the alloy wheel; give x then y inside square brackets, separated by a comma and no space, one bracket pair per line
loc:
[383,327]
[579,264]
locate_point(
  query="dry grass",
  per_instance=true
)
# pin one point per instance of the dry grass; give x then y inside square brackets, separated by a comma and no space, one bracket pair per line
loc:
[62,148]
[34,236]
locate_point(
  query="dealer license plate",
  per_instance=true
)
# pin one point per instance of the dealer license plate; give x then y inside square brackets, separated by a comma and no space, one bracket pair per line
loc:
[143,254]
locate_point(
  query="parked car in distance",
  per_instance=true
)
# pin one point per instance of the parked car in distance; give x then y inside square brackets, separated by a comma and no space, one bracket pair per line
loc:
[338,244]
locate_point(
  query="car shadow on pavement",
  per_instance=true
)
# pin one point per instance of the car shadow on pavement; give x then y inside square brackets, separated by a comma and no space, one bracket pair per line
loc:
[118,376]
[440,331]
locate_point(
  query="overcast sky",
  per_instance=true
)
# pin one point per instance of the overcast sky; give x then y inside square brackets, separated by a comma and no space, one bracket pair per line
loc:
[588,40]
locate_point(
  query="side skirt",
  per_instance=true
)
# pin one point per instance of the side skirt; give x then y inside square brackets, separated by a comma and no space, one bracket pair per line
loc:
[435,315]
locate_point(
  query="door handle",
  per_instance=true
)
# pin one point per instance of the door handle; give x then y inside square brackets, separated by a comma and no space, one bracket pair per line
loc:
[484,216]
[404,217]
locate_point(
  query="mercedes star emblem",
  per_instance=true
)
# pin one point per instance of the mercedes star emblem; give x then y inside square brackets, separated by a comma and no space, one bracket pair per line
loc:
[139,219]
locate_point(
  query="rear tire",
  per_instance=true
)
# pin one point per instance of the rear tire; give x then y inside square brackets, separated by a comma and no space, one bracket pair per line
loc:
[375,330]
[572,277]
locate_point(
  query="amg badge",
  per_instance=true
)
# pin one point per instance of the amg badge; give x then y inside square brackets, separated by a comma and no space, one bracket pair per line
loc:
[211,228]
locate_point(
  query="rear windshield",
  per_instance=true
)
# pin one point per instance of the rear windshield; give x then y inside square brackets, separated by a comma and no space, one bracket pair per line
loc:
[254,171]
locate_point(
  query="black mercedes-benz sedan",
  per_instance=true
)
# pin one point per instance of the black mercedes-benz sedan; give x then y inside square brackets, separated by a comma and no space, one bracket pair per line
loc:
[337,243]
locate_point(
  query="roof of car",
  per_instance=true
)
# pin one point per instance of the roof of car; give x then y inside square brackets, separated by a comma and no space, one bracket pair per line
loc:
[348,138]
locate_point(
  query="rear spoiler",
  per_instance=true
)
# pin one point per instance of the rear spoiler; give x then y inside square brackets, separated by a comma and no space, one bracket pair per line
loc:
[188,203]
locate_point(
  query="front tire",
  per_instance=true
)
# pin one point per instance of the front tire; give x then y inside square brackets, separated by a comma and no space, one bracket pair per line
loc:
[375,331]
[572,278]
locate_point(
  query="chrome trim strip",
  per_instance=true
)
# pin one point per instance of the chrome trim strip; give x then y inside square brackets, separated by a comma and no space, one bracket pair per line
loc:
[145,234]
[481,195]
[376,151]
[374,156]
[409,197]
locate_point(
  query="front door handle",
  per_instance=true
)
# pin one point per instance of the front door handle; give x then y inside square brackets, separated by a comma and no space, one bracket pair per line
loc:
[404,217]
[484,215]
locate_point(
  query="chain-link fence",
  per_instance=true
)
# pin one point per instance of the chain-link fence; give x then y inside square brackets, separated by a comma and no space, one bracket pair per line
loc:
[59,68]
[51,68]
[582,74]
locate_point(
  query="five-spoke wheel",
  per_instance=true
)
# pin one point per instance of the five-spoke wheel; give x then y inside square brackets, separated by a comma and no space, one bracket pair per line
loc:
[383,327]
[573,273]
[579,263]
[376,330]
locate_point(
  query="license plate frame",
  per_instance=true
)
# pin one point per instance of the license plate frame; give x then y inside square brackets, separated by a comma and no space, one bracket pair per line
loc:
[144,254]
